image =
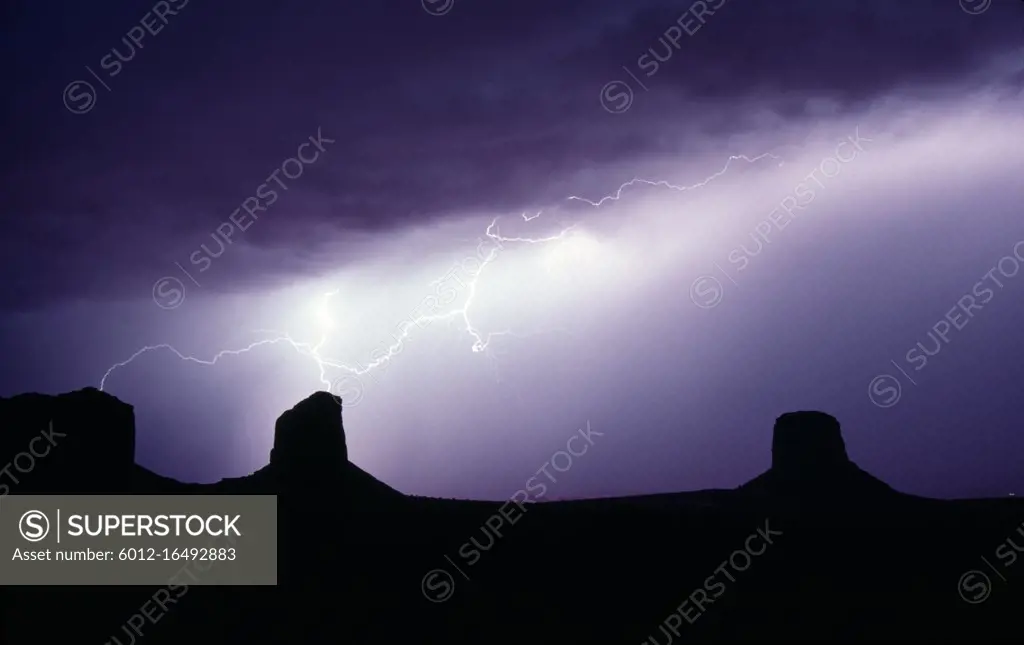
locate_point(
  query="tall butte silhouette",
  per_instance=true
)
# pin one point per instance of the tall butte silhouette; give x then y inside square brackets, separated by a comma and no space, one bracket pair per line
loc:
[809,461]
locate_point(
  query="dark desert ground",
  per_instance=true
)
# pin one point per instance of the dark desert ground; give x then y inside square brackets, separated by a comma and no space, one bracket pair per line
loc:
[813,549]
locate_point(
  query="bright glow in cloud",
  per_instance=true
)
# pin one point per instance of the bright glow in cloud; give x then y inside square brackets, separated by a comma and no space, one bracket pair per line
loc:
[579,252]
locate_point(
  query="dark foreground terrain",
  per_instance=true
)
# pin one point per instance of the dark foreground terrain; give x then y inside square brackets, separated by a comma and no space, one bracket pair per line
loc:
[815,549]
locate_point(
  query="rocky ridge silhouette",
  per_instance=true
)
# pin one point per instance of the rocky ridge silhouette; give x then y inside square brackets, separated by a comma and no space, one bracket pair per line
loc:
[354,554]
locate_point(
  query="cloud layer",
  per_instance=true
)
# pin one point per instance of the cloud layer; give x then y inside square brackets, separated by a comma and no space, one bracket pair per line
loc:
[490,108]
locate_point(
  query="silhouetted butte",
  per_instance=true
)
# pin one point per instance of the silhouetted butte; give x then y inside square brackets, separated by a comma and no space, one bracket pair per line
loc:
[809,460]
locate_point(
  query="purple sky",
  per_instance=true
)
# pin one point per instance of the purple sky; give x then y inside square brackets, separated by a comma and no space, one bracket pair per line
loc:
[679,323]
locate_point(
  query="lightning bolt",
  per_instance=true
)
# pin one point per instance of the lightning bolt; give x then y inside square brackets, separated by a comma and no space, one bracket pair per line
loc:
[481,340]
[617,195]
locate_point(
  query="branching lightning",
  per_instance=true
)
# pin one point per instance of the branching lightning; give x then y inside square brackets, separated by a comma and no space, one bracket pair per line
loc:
[614,197]
[480,340]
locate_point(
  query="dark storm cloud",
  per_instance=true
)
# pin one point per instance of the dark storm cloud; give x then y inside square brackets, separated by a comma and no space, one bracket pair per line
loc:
[486,107]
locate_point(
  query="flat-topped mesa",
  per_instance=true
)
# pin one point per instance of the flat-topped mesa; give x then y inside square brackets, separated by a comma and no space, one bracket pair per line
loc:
[80,441]
[808,442]
[310,437]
